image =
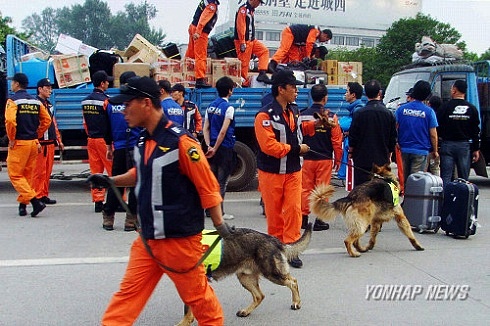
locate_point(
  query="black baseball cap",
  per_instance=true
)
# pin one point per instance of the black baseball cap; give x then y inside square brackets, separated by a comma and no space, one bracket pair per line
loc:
[101,76]
[285,77]
[178,88]
[125,76]
[409,92]
[137,87]
[44,82]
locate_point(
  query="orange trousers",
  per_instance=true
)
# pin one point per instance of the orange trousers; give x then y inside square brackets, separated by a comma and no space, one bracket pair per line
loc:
[281,194]
[287,51]
[253,47]
[97,160]
[21,162]
[198,50]
[143,274]
[42,172]
[314,173]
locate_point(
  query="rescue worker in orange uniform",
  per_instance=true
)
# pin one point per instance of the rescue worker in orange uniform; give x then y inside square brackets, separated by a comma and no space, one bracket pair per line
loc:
[98,129]
[319,162]
[278,159]
[173,183]
[245,42]
[192,119]
[26,120]
[202,23]
[50,139]
[297,43]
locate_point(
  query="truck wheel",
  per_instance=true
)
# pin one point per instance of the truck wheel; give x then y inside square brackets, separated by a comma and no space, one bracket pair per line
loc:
[245,168]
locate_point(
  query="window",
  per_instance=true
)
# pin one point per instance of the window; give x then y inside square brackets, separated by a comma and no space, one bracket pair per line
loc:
[338,40]
[369,42]
[273,36]
[352,41]
[259,35]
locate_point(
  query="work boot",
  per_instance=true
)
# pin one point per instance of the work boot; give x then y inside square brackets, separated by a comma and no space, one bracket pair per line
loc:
[320,225]
[48,201]
[130,223]
[22,210]
[304,222]
[37,206]
[262,77]
[296,262]
[201,83]
[272,66]
[98,206]
[107,221]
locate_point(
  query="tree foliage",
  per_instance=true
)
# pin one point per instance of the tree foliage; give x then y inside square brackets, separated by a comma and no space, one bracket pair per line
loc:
[43,29]
[6,29]
[485,55]
[396,47]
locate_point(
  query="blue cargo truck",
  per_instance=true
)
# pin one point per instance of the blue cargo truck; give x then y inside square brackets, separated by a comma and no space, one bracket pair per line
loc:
[68,112]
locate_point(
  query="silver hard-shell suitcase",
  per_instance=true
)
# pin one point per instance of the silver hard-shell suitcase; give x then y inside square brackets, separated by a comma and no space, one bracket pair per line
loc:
[423,201]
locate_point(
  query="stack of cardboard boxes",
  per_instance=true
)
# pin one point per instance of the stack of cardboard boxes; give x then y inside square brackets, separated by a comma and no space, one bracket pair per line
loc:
[340,73]
[71,70]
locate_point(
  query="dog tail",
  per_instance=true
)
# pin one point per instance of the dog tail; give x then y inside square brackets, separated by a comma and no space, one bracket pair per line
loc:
[292,250]
[320,206]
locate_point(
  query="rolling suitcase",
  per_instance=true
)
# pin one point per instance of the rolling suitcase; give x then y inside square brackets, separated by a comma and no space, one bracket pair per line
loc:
[423,200]
[460,208]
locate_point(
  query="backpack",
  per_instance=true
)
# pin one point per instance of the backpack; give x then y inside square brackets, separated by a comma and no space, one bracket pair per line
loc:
[103,60]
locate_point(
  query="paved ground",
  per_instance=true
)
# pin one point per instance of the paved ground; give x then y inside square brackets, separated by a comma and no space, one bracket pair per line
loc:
[62,268]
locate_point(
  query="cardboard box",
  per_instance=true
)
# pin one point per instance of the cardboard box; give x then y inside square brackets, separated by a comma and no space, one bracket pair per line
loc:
[229,67]
[164,65]
[330,67]
[351,68]
[138,44]
[332,80]
[140,69]
[173,78]
[71,70]
[144,55]
[70,45]
[343,79]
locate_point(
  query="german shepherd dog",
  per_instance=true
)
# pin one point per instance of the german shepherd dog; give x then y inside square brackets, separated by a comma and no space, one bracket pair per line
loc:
[250,254]
[368,204]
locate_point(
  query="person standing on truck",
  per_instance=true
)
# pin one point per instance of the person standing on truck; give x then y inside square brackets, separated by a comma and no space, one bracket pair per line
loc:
[319,162]
[192,119]
[171,109]
[417,134]
[50,139]
[202,23]
[278,159]
[459,132]
[353,96]
[219,135]
[245,42]
[173,184]
[297,43]
[26,120]
[98,129]
[124,139]
[372,135]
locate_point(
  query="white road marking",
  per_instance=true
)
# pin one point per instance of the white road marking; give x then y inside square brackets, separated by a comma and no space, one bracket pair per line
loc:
[62,261]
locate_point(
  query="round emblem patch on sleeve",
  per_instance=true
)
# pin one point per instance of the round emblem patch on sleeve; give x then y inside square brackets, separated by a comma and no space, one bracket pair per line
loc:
[193,154]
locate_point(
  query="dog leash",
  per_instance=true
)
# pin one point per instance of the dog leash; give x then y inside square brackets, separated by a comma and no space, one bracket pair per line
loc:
[147,246]
[353,166]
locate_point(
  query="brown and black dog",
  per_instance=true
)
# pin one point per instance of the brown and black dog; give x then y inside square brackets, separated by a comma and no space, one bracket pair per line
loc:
[250,254]
[368,204]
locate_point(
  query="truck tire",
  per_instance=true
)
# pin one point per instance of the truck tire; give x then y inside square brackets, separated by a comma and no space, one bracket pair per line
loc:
[245,168]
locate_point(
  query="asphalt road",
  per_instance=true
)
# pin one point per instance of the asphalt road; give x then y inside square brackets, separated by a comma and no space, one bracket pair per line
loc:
[62,268]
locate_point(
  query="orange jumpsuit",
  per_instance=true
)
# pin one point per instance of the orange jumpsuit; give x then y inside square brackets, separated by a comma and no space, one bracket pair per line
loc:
[295,47]
[23,130]
[181,253]
[281,192]
[97,127]
[245,34]
[45,158]
[203,22]
[317,169]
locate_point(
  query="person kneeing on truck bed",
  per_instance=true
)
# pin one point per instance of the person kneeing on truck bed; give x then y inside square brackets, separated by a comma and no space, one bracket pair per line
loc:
[26,120]
[98,129]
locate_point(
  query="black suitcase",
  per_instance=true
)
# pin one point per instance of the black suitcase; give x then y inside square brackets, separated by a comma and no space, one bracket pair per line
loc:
[423,200]
[460,208]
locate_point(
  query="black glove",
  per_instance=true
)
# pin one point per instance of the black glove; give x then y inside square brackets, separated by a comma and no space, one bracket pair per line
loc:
[99,181]
[224,230]
[243,47]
